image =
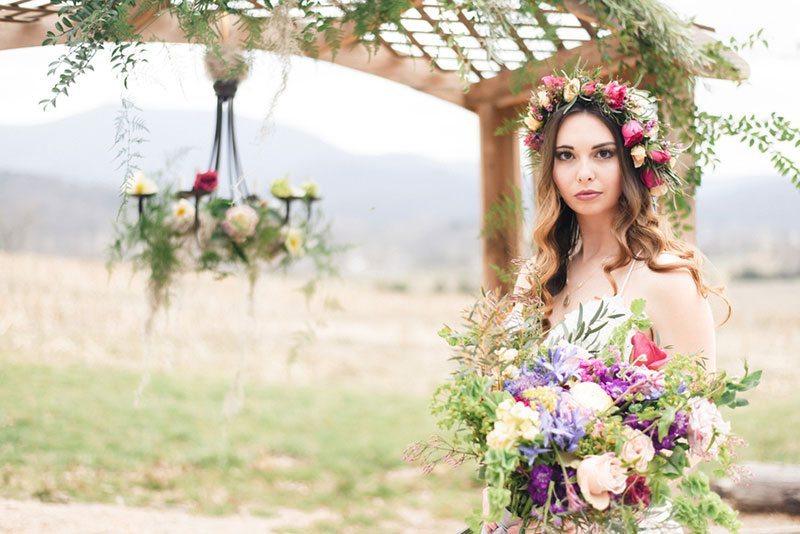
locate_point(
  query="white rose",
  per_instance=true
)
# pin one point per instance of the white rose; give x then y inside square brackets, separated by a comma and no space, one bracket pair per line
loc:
[510,372]
[501,436]
[637,450]
[507,355]
[591,396]
[638,154]
[544,98]
[571,89]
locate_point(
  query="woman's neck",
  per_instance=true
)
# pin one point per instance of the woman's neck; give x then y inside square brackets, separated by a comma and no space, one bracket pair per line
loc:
[597,236]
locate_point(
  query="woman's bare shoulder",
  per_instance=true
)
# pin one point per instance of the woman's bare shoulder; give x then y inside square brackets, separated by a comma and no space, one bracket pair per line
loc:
[673,287]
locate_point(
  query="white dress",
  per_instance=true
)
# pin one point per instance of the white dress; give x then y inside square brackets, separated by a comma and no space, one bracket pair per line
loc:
[656,520]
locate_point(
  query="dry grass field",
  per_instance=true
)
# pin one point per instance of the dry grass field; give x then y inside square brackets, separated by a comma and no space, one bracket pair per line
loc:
[370,338]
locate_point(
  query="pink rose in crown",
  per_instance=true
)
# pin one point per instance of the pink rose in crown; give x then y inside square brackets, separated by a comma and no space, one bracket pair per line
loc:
[598,477]
[589,88]
[632,132]
[553,82]
[615,94]
[646,353]
[205,181]
[659,156]
[650,178]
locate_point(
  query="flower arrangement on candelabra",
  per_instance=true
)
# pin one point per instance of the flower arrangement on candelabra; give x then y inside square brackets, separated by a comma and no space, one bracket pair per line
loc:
[199,230]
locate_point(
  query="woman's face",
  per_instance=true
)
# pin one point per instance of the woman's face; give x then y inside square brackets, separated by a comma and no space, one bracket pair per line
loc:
[586,167]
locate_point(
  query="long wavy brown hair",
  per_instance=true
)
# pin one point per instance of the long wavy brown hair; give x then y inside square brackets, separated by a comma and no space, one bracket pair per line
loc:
[641,233]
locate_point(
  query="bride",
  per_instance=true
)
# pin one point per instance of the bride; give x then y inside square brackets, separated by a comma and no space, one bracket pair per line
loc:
[598,239]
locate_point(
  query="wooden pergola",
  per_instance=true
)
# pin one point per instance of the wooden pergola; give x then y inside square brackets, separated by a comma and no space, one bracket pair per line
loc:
[425,56]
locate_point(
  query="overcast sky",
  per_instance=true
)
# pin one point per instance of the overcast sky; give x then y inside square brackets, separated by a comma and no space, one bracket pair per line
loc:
[361,113]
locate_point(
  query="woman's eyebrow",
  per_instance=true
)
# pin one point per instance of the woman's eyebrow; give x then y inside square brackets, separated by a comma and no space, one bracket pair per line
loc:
[593,148]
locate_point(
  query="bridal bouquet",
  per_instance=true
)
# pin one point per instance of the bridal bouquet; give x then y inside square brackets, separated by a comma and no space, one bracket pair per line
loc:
[572,439]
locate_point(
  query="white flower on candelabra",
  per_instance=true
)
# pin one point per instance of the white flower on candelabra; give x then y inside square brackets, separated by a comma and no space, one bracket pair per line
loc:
[310,189]
[240,222]
[281,188]
[293,241]
[139,185]
[181,218]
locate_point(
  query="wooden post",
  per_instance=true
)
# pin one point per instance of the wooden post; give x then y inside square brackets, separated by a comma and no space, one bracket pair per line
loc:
[501,179]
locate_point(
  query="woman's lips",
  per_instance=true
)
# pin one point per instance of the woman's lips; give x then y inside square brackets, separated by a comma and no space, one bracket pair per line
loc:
[587,196]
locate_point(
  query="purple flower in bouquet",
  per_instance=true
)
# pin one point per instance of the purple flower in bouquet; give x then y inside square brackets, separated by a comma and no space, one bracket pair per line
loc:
[559,364]
[677,429]
[564,427]
[528,378]
[611,379]
[533,452]
[541,476]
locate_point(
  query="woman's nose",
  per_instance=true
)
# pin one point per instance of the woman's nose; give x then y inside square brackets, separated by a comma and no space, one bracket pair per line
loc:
[585,171]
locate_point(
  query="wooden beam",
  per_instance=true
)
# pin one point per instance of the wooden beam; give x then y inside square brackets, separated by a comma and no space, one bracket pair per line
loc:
[501,179]
[497,90]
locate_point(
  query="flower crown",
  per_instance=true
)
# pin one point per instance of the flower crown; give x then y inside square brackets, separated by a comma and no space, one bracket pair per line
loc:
[634,110]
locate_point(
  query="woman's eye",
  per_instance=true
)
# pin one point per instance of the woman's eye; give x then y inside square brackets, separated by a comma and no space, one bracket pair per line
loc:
[606,153]
[563,155]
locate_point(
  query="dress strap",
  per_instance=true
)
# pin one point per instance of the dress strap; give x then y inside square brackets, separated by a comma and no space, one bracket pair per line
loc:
[627,277]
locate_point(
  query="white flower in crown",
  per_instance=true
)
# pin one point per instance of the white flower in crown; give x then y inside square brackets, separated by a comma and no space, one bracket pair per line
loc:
[543,98]
[571,89]
[181,217]
[642,105]
[139,185]
[293,241]
[240,222]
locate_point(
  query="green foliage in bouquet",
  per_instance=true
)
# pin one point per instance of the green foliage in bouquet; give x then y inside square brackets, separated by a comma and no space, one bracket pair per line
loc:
[586,425]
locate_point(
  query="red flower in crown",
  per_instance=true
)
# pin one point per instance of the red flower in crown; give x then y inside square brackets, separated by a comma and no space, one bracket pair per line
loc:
[650,178]
[615,94]
[660,156]
[632,132]
[206,181]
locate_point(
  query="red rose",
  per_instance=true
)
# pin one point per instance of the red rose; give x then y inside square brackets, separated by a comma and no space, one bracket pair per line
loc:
[589,88]
[646,353]
[205,181]
[632,132]
[638,492]
[553,82]
[615,94]
[659,156]
[650,178]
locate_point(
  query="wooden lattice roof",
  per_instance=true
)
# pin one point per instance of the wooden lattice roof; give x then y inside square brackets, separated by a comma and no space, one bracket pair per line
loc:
[425,55]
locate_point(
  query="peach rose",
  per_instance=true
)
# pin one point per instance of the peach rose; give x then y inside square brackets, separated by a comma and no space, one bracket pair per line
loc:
[637,450]
[599,475]
[638,154]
